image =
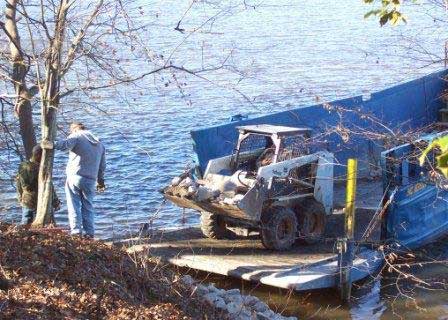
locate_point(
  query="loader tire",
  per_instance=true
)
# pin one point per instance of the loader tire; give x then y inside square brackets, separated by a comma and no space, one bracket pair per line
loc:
[213,226]
[312,220]
[278,228]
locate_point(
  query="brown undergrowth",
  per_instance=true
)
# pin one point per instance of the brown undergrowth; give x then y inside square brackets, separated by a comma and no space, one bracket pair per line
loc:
[52,275]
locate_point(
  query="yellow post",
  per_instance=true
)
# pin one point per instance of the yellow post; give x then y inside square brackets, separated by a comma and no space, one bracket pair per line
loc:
[350,199]
[346,244]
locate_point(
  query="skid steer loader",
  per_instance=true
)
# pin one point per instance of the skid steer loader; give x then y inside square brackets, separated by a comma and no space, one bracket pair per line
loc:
[271,183]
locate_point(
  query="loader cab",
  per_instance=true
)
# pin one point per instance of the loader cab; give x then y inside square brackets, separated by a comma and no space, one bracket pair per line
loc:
[261,145]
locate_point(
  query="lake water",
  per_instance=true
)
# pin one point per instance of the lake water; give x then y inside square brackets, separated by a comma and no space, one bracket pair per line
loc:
[286,54]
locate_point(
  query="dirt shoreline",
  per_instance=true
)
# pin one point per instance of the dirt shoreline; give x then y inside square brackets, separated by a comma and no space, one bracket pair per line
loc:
[48,274]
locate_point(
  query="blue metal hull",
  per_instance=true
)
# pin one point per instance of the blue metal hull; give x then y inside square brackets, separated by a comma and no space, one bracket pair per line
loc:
[418,215]
[401,108]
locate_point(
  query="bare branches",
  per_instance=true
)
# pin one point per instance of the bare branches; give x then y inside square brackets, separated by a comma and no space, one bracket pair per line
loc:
[10,138]
[50,102]
[79,37]
[178,28]
[92,47]
[43,22]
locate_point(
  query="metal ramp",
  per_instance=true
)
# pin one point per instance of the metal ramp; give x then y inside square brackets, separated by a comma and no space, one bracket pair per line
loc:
[304,267]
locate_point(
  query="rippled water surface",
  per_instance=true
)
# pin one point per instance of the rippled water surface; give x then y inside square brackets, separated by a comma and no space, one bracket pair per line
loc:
[288,54]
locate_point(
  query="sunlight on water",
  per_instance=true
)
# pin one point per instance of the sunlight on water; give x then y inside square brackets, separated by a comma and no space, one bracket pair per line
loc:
[288,55]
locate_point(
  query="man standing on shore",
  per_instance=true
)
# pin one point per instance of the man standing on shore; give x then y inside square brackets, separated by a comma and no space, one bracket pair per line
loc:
[85,167]
[27,182]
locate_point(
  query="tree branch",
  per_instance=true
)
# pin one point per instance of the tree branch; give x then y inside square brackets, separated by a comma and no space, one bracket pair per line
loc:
[78,38]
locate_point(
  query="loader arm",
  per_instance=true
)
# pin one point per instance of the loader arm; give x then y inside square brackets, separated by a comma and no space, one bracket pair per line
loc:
[323,186]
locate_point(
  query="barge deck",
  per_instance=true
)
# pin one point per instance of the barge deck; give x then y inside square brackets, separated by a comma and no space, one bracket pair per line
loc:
[304,267]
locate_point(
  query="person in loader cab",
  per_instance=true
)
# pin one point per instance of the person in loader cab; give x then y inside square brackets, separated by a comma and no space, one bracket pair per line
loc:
[27,182]
[85,167]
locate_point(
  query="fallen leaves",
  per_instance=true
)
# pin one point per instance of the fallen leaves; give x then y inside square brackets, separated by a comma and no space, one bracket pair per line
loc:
[57,276]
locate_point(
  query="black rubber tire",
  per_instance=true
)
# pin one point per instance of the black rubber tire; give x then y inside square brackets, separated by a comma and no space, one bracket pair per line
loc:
[213,226]
[312,221]
[279,228]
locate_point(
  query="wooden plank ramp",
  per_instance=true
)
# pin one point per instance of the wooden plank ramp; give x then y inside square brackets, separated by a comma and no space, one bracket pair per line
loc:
[304,267]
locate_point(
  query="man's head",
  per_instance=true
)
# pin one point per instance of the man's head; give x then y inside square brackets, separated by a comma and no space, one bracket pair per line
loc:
[36,154]
[76,126]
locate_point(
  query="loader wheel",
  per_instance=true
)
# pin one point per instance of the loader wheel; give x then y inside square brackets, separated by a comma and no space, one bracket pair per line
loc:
[279,228]
[213,226]
[311,216]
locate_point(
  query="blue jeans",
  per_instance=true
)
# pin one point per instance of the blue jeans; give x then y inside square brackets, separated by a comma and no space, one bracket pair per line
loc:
[28,215]
[80,192]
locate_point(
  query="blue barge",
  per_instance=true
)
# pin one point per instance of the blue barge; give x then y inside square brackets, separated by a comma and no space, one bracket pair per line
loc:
[400,205]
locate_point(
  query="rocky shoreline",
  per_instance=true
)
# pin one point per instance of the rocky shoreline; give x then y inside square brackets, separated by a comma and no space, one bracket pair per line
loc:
[236,305]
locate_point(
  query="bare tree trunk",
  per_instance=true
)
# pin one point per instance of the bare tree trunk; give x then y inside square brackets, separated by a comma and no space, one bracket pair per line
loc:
[50,104]
[22,107]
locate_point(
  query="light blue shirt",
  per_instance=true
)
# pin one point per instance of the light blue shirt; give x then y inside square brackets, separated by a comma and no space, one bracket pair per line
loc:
[87,155]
